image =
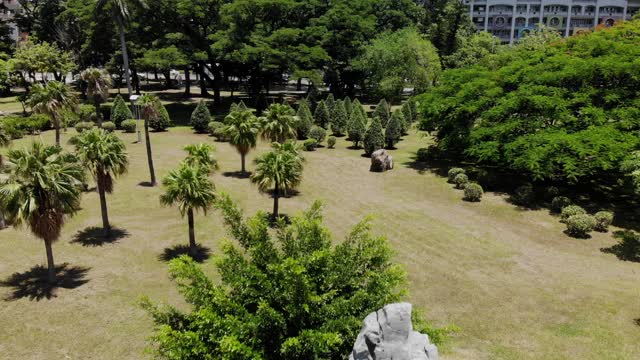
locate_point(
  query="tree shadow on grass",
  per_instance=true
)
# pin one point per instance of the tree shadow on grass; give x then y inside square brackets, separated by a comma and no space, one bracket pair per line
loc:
[33,283]
[94,236]
[628,249]
[637,321]
[237,174]
[145,184]
[202,253]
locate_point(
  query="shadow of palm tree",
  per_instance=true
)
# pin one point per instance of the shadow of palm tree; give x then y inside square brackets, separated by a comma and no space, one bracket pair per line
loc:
[94,236]
[637,321]
[628,249]
[33,283]
[202,253]
[237,174]
[145,184]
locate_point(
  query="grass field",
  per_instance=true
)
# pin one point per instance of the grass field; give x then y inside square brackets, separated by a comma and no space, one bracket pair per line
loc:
[515,285]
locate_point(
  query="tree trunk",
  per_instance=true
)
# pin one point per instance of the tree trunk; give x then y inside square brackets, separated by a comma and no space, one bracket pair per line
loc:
[192,234]
[125,54]
[96,103]
[276,197]
[167,79]
[106,227]
[203,83]
[3,222]
[242,157]
[187,82]
[51,269]
[299,84]
[152,173]
[56,125]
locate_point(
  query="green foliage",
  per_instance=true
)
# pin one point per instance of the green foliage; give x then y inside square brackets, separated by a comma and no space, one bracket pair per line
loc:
[394,130]
[109,126]
[628,249]
[318,134]
[278,123]
[161,121]
[200,118]
[188,188]
[580,225]
[357,106]
[103,154]
[452,173]
[473,192]
[242,131]
[472,48]
[630,167]
[551,192]
[33,58]
[348,106]
[305,120]
[310,144]
[408,116]
[200,156]
[382,112]
[461,180]
[357,127]
[129,126]
[559,202]
[603,220]
[330,102]
[322,116]
[569,211]
[422,155]
[290,295]
[216,129]
[120,111]
[373,138]
[340,119]
[523,196]
[17,126]
[331,142]
[83,126]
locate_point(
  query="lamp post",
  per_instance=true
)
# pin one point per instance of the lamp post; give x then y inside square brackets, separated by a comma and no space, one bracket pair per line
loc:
[133,99]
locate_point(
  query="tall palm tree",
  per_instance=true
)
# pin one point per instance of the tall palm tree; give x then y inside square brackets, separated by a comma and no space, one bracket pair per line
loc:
[105,155]
[280,169]
[278,123]
[121,13]
[200,155]
[98,84]
[41,187]
[149,111]
[51,99]
[190,189]
[242,131]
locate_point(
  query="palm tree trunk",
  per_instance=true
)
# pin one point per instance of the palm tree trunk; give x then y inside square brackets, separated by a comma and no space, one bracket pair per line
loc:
[192,234]
[147,138]
[276,197]
[125,54]
[56,125]
[106,227]
[51,270]
[187,82]
[242,157]
[96,103]
[3,222]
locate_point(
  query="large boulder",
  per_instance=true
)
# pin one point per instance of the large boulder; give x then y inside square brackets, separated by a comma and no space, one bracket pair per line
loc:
[387,334]
[381,161]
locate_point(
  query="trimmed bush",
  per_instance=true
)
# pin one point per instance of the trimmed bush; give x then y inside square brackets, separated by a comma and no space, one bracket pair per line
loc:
[331,141]
[393,132]
[461,180]
[200,118]
[318,134]
[523,195]
[373,138]
[305,120]
[17,126]
[580,225]
[558,203]
[162,121]
[216,129]
[340,119]
[473,192]
[569,211]
[87,113]
[453,172]
[120,111]
[321,116]
[129,126]
[82,126]
[109,126]
[603,220]
[382,111]
[310,144]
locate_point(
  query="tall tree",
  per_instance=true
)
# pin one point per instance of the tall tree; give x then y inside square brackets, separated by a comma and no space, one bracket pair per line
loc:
[105,155]
[52,99]
[149,109]
[201,155]
[5,140]
[242,130]
[98,83]
[41,188]
[278,123]
[190,189]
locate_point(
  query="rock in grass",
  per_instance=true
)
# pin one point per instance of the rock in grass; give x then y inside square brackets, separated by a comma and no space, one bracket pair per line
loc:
[381,161]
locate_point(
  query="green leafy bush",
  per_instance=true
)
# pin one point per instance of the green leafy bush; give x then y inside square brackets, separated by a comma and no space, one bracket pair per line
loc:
[580,225]
[569,211]
[87,113]
[322,116]
[120,111]
[129,126]
[109,126]
[453,172]
[200,118]
[558,203]
[373,138]
[162,121]
[473,192]
[318,134]
[331,142]
[216,129]
[524,196]
[461,180]
[310,144]
[17,126]
[603,220]
[82,126]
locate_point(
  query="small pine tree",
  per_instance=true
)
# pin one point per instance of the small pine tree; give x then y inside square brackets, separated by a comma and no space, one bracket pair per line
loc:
[414,109]
[120,111]
[348,106]
[305,120]
[393,132]
[162,121]
[357,128]
[358,107]
[340,120]
[322,115]
[200,118]
[330,101]
[408,117]
[382,112]
[373,138]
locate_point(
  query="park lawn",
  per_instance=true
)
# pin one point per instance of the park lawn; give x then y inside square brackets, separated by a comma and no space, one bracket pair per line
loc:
[509,279]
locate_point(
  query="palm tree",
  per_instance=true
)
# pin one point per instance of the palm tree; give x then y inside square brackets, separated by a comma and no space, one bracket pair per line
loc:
[242,130]
[149,111]
[41,187]
[190,189]
[51,99]
[98,84]
[280,169]
[105,155]
[121,13]
[278,123]
[5,140]
[200,155]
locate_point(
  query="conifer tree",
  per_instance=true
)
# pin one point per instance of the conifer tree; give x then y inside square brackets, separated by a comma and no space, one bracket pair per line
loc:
[357,106]
[340,120]
[374,138]
[348,106]
[382,111]
[305,120]
[330,101]
[120,111]
[393,132]
[321,116]
[200,118]
[161,121]
[357,128]
[406,110]
[414,109]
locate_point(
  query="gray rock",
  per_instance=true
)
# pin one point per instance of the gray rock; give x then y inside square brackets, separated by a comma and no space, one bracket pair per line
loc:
[387,334]
[381,161]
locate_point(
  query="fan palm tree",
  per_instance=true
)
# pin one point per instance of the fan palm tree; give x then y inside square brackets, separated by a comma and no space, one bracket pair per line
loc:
[51,99]
[41,187]
[242,131]
[278,123]
[200,155]
[105,155]
[190,189]
[149,111]
[121,13]
[98,84]
[280,169]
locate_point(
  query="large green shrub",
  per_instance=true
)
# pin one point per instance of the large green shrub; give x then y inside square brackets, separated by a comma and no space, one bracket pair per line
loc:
[310,144]
[357,128]
[318,134]
[461,180]
[321,116]
[305,120]
[580,225]
[83,126]
[559,202]
[120,111]
[109,126]
[473,192]
[17,126]
[200,118]
[393,131]
[373,138]
[452,173]
[331,142]
[129,126]
[87,113]
[603,220]
[162,121]
[383,112]
[571,210]
[216,129]
[339,124]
